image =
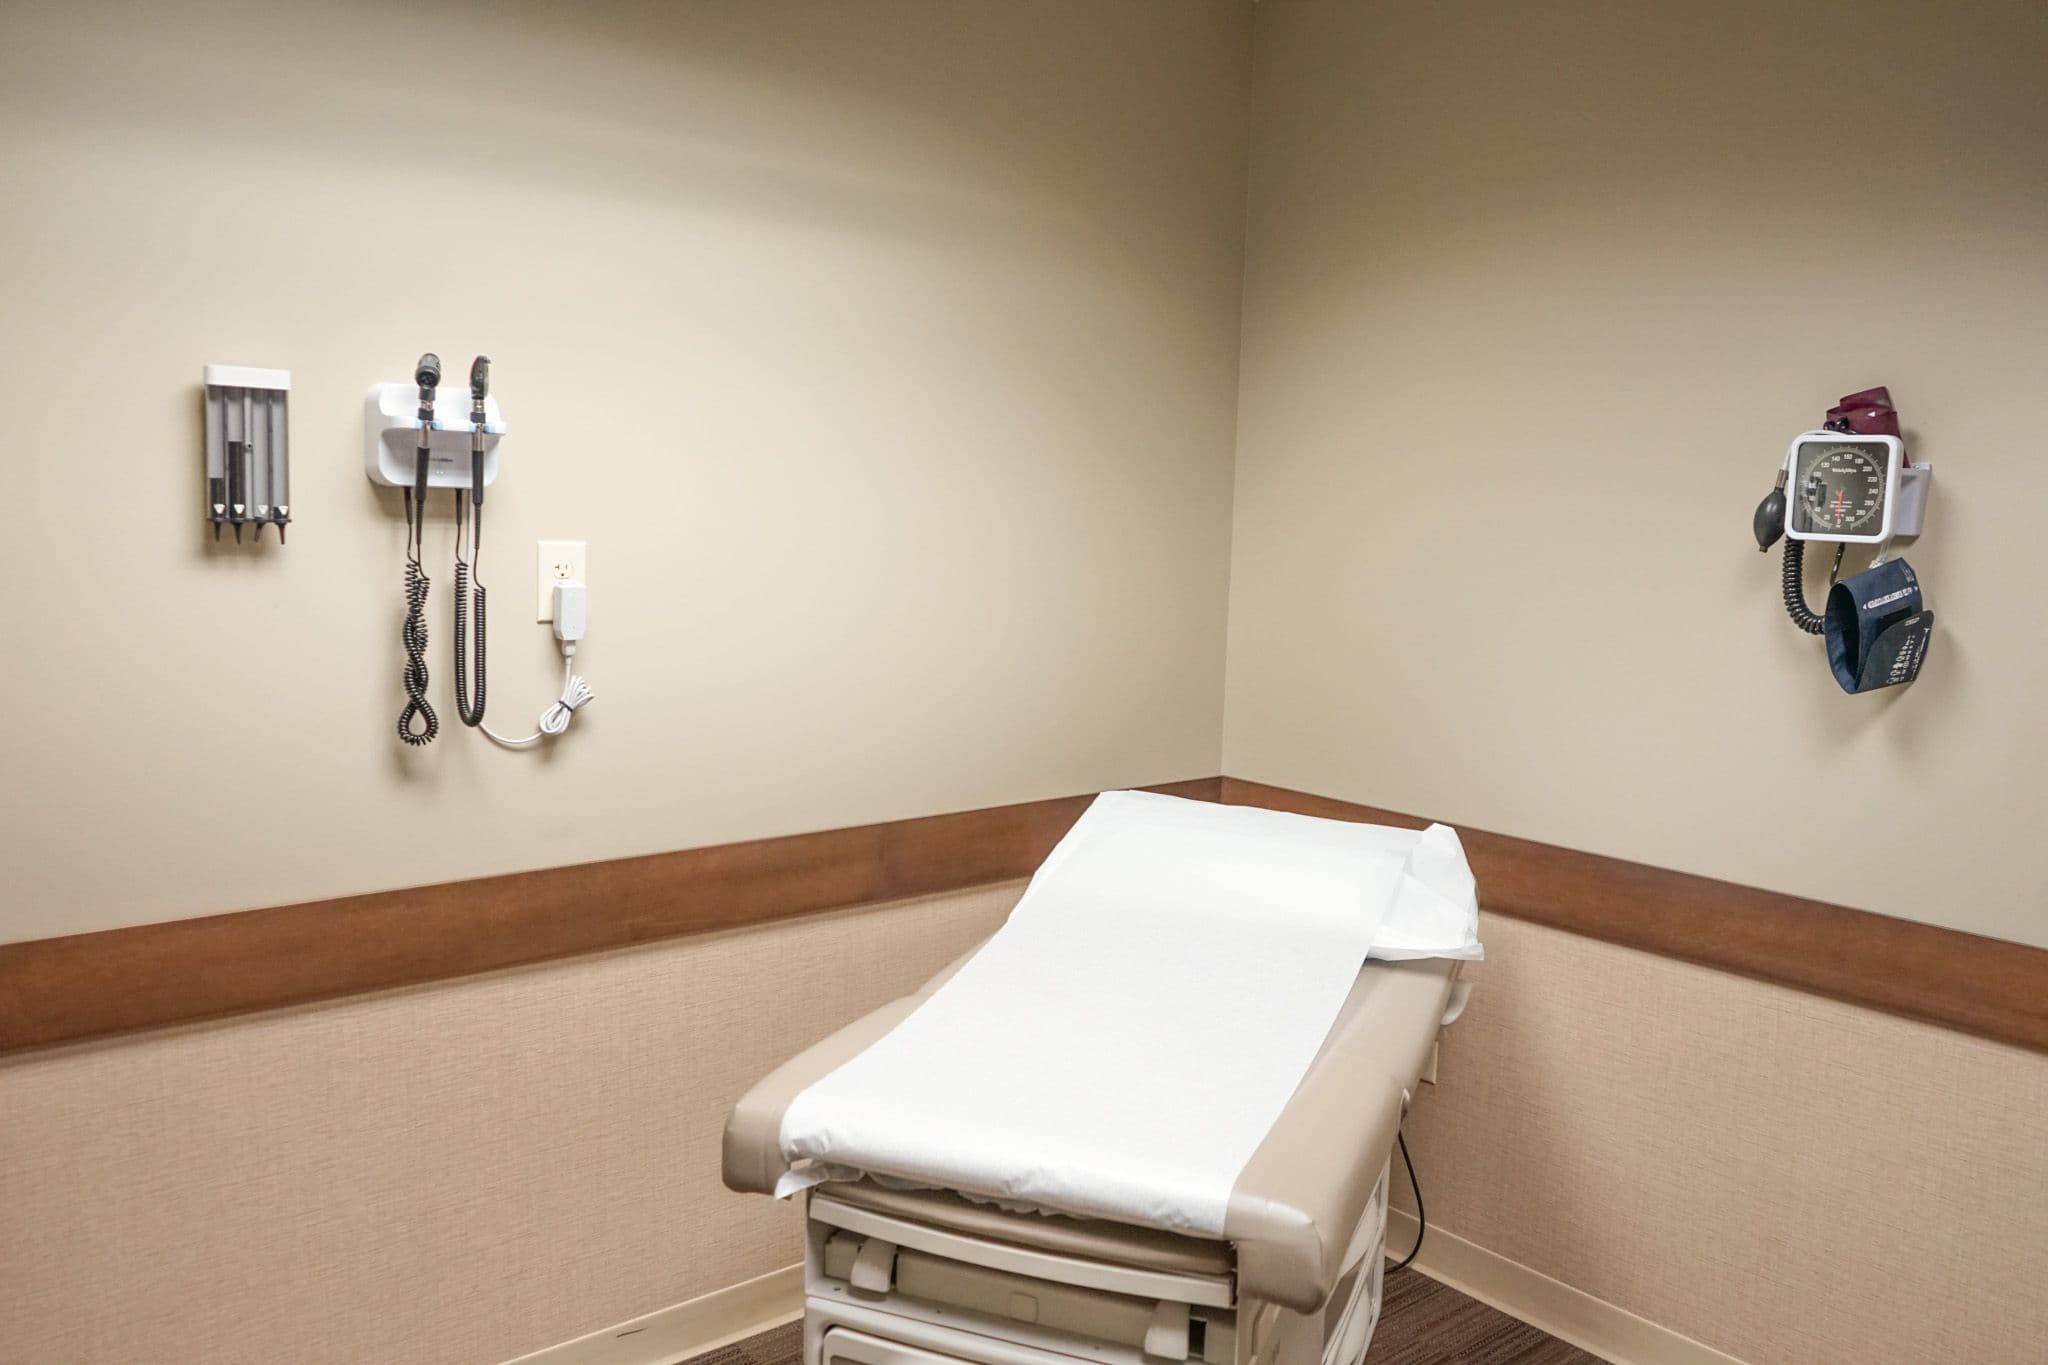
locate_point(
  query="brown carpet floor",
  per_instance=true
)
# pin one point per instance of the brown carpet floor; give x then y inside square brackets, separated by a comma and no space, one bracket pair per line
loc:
[776,1346]
[1422,1323]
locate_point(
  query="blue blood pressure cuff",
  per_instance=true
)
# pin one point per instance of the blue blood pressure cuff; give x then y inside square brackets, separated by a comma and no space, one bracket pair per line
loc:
[1875,628]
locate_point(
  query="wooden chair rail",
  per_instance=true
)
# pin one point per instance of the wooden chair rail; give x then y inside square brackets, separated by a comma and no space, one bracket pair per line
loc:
[1979,985]
[150,976]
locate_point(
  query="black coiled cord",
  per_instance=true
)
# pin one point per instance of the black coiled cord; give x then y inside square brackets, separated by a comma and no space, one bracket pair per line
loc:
[468,618]
[464,619]
[414,634]
[1802,615]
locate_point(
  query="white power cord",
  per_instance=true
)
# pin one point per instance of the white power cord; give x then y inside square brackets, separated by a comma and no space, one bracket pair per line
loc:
[553,721]
[570,618]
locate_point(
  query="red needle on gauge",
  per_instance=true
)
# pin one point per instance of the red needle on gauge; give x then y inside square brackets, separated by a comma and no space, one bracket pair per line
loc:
[1838,507]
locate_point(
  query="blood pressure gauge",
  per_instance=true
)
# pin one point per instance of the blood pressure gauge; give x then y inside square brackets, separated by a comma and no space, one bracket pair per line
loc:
[1849,483]
[1852,489]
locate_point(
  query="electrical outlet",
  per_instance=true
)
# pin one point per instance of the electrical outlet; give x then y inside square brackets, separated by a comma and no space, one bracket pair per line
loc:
[559,561]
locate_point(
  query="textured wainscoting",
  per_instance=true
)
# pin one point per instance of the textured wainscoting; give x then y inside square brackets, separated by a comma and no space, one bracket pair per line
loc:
[470,1171]
[453,1174]
[1783,1177]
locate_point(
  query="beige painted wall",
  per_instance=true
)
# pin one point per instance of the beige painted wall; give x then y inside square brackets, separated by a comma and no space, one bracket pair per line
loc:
[454,1175]
[1786,1178]
[884,353]
[1535,298]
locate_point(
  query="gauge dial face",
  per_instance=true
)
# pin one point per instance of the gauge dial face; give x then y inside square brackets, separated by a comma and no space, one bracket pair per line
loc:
[1841,489]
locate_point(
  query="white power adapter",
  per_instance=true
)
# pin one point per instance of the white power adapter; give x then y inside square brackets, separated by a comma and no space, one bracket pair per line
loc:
[572,618]
[572,614]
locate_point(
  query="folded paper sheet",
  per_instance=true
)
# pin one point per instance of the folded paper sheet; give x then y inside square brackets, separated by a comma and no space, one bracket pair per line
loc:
[1437,912]
[1121,1047]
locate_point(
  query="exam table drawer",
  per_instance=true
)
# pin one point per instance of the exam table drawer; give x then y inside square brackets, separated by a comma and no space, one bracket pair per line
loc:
[844,1346]
[1090,1315]
[1211,1290]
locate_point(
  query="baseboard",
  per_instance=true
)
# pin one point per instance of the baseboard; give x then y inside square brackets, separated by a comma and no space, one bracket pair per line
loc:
[673,1334]
[1571,1315]
[682,1330]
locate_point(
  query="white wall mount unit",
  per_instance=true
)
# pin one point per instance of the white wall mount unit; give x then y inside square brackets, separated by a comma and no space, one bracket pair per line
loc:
[391,436]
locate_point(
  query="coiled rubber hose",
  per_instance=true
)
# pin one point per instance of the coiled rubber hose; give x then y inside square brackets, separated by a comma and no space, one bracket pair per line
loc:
[1802,615]
[414,634]
[472,714]
[427,374]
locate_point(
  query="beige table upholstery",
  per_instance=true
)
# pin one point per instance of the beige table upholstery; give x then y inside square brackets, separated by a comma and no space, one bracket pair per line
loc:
[1297,1202]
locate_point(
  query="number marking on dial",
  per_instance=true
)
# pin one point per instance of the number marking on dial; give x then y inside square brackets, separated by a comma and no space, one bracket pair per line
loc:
[1843,490]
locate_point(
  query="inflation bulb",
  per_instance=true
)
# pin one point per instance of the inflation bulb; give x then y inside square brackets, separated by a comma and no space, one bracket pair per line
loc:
[1769,521]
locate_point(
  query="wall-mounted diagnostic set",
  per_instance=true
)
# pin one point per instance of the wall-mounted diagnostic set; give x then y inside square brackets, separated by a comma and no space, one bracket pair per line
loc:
[408,445]
[1848,482]
[248,461]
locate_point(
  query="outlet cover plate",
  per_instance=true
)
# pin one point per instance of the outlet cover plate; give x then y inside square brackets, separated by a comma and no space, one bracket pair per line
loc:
[557,561]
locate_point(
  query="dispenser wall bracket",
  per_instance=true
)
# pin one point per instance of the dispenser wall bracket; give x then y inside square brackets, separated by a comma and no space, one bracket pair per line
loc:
[391,439]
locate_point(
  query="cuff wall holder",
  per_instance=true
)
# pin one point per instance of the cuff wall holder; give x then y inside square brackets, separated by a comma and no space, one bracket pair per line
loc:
[391,440]
[1875,629]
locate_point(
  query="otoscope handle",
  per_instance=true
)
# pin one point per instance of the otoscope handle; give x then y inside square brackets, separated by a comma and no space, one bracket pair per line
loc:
[479,386]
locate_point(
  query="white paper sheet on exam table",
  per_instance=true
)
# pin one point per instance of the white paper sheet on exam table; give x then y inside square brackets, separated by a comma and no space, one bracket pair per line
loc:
[1436,913]
[1122,1045]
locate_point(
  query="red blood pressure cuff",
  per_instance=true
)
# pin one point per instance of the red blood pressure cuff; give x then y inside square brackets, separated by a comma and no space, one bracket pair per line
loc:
[1869,413]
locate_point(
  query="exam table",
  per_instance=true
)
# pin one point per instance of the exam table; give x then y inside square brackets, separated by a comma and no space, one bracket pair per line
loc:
[919,1276]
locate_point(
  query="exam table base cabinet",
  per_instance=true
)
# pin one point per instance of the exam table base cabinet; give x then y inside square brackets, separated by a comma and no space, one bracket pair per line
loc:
[979,1286]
